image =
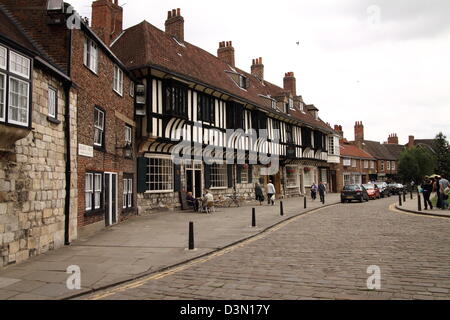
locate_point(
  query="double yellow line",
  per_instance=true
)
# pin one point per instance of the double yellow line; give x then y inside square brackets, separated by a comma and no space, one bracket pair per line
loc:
[160,275]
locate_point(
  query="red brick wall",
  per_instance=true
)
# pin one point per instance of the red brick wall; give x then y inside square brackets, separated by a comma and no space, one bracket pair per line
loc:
[97,90]
[340,170]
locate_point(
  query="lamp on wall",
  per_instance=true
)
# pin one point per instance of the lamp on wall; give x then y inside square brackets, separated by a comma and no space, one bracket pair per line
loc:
[127,150]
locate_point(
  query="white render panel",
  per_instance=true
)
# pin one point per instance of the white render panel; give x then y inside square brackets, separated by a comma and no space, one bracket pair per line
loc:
[154,97]
[160,104]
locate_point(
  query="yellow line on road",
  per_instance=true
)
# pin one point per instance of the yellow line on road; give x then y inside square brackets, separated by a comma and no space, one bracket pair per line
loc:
[394,209]
[160,275]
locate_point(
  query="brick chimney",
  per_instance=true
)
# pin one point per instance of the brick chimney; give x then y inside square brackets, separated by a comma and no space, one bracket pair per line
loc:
[359,131]
[175,24]
[393,139]
[289,83]
[258,68]
[226,52]
[107,19]
[411,142]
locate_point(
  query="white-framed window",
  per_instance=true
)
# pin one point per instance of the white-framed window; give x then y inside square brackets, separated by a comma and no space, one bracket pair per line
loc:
[372,164]
[128,135]
[393,165]
[118,80]
[356,178]
[99,127]
[354,163]
[91,55]
[274,104]
[308,178]
[97,190]
[127,193]
[132,88]
[219,176]
[388,165]
[243,82]
[347,162]
[19,64]
[160,174]
[366,164]
[18,109]
[244,174]
[291,103]
[2,96]
[52,102]
[3,54]
[291,176]
[332,146]
[347,179]
[89,190]
[382,165]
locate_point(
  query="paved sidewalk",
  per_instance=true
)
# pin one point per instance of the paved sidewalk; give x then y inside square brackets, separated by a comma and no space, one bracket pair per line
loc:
[140,246]
[413,207]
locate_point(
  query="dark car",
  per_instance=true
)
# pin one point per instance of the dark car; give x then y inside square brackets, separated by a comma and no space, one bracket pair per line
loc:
[384,189]
[396,188]
[354,192]
[373,191]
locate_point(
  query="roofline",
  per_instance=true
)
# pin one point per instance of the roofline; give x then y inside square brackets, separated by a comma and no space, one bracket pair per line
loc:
[247,102]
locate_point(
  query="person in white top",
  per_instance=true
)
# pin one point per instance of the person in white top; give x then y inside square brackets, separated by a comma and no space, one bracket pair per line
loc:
[270,192]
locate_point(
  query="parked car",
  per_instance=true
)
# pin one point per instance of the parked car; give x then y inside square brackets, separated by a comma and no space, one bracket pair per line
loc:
[384,189]
[373,191]
[396,188]
[354,192]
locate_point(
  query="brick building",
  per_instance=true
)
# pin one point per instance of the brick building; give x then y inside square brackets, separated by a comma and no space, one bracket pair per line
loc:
[105,166]
[38,139]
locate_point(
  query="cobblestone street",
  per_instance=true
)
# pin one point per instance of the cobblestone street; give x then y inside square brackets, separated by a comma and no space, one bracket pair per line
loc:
[321,255]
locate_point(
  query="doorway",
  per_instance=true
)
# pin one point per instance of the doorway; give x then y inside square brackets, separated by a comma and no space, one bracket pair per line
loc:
[194,179]
[110,199]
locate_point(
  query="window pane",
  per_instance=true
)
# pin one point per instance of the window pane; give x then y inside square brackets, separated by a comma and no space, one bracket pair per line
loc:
[2,57]
[160,176]
[18,101]
[19,64]
[51,102]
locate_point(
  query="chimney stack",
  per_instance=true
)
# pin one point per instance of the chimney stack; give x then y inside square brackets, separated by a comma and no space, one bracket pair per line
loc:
[107,19]
[359,131]
[258,68]
[175,24]
[411,142]
[226,52]
[393,139]
[290,83]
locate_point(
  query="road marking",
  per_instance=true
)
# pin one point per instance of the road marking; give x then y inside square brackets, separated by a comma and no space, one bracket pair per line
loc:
[163,274]
[394,209]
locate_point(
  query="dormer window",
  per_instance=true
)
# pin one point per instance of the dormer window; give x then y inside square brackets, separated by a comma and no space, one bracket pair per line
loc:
[274,104]
[242,82]
[291,103]
[301,106]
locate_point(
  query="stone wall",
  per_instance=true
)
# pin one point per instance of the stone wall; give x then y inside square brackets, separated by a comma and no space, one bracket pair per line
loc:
[32,181]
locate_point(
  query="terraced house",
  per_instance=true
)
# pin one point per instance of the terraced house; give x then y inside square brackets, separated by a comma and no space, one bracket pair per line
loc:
[187,94]
[38,136]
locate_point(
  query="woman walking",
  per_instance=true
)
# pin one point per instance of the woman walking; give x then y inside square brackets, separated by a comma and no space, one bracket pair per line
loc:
[314,191]
[259,193]
[427,189]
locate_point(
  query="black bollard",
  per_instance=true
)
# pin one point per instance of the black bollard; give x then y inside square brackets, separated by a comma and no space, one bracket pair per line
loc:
[419,202]
[411,194]
[304,202]
[281,209]
[400,199]
[191,236]
[253,217]
[404,196]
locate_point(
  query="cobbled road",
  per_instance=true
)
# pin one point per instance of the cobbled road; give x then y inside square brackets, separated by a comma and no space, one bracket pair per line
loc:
[321,255]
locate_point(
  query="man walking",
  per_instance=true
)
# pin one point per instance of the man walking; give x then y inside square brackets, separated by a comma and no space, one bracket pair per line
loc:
[270,192]
[322,190]
[443,184]
[427,188]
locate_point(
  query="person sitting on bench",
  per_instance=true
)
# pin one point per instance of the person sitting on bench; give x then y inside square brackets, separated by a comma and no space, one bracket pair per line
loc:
[192,202]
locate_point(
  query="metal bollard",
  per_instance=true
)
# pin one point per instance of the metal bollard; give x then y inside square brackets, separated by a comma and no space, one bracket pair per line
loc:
[281,209]
[304,202]
[411,194]
[404,196]
[253,217]
[191,236]
[419,202]
[400,199]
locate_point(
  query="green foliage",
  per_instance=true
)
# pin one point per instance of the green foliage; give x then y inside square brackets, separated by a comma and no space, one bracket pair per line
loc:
[414,164]
[441,147]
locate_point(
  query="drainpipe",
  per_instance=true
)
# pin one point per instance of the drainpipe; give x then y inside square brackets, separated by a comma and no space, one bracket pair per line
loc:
[67,87]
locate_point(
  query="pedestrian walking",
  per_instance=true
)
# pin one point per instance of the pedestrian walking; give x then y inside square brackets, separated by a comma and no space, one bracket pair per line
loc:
[314,191]
[271,193]
[427,189]
[437,189]
[443,185]
[259,193]
[322,190]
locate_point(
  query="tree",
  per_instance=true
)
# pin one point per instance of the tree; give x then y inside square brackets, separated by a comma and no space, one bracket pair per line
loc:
[441,147]
[414,164]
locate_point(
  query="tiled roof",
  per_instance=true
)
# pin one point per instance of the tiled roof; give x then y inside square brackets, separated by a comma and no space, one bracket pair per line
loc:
[395,149]
[9,30]
[378,150]
[349,150]
[145,45]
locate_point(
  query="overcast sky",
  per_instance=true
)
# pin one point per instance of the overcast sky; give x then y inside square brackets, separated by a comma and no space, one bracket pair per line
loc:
[383,62]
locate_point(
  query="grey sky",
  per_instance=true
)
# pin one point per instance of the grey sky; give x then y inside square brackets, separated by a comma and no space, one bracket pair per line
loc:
[382,62]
